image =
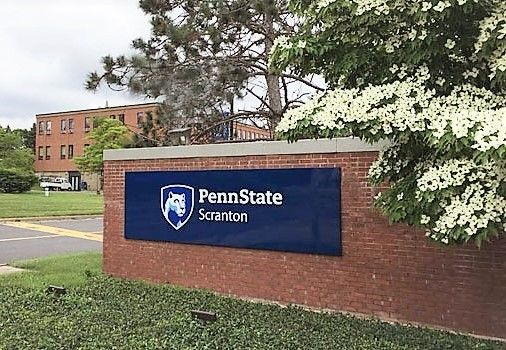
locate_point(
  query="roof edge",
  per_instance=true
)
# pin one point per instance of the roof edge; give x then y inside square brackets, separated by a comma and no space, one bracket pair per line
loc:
[97,109]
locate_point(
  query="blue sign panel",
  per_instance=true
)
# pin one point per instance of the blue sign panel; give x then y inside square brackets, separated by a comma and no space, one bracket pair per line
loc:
[295,210]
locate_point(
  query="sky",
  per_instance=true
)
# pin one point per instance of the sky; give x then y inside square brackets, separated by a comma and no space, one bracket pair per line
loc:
[47,48]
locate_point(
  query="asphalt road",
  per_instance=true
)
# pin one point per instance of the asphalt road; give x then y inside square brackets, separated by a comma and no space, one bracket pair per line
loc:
[26,240]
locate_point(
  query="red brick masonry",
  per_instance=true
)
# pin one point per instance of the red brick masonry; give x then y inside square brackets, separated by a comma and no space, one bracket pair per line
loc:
[391,272]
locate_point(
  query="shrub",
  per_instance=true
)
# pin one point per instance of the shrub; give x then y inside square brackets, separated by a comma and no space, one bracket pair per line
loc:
[15,181]
[108,313]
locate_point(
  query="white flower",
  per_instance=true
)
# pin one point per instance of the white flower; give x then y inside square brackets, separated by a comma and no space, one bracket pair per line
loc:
[440,6]
[440,81]
[426,6]
[450,44]
[378,7]
[324,3]
[301,44]
[412,34]
[424,219]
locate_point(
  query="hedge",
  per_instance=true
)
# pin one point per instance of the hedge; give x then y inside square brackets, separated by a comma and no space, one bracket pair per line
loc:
[14,181]
[109,313]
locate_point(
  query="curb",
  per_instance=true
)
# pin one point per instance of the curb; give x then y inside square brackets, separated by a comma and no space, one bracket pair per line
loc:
[56,217]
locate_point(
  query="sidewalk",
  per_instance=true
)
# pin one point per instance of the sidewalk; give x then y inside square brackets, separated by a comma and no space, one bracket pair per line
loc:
[6,269]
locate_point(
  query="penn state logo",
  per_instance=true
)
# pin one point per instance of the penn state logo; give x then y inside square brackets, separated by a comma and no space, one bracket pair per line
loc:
[176,203]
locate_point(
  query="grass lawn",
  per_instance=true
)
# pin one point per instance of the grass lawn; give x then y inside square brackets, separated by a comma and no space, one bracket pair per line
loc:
[99,312]
[67,270]
[34,203]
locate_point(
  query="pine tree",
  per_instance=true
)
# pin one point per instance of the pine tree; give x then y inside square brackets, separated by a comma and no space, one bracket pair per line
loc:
[203,55]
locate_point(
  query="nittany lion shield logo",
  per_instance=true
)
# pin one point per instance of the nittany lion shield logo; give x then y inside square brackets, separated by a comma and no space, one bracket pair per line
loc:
[176,202]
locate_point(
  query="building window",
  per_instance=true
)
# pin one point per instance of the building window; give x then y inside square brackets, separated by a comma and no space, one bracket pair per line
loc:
[63,148]
[41,152]
[63,126]
[48,152]
[87,124]
[71,152]
[71,126]
[86,145]
[121,118]
[113,116]
[48,127]
[140,118]
[41,128]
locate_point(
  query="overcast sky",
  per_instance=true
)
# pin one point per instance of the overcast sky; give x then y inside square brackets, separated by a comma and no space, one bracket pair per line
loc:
[48,47]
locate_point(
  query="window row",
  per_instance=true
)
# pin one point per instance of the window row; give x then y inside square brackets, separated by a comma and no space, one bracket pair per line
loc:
[68,125]
[65,125]
[66,152]
[248,135]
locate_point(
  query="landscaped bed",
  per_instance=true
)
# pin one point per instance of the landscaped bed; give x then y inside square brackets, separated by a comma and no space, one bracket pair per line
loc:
[35,203]
[99,312]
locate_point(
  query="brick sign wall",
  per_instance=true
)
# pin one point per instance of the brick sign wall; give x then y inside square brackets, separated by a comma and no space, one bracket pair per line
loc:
[391,272]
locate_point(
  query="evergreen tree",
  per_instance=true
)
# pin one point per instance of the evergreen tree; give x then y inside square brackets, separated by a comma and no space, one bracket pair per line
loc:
[202,55]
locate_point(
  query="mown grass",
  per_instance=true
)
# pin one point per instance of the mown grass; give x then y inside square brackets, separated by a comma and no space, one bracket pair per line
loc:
[105,313]
[34,203]
[68,271]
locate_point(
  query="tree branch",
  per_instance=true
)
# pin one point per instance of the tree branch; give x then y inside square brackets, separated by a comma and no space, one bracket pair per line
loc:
[223,121]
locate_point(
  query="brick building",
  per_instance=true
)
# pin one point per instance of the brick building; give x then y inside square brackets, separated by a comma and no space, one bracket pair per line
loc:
[61,136]
[242,131]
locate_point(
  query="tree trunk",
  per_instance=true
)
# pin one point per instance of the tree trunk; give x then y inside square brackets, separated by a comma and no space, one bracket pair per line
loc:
[272,81]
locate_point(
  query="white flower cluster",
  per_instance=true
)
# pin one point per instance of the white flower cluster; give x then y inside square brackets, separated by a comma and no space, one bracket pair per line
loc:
[466,191]
[470,210]
[467,112]
[452,173]
[493,28]
[379,7]
[388,162]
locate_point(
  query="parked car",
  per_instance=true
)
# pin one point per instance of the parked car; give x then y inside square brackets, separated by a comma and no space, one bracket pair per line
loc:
[58,183]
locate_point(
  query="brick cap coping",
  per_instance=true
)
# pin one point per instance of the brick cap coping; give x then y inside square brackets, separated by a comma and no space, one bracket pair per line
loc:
[258,148]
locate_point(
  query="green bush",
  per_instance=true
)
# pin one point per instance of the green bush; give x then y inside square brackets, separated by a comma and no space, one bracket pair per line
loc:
[15,181]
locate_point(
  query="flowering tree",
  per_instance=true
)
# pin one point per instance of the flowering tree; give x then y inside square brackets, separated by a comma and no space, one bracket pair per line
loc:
[428,76]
